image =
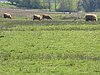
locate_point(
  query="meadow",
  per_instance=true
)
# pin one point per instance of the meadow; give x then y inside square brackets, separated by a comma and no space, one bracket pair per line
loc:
[49,47]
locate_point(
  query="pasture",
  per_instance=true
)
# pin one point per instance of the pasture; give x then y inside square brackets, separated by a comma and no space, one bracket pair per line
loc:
[49,47]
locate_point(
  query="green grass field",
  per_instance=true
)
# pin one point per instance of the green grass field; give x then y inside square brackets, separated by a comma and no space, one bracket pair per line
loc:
[57,47]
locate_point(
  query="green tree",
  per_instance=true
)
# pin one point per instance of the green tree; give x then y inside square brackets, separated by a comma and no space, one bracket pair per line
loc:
[89,5]
[80,5]
[27,3]
[64,5]
[12,1]
[68,5]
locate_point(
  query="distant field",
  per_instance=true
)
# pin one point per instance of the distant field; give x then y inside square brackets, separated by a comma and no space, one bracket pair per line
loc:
[62,46]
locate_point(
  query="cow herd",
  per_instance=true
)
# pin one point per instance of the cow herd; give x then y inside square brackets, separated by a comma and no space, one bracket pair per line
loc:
[35,16]
[40,17]
[88,17]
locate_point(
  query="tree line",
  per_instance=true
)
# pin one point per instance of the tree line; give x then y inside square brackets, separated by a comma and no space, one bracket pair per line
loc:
[59,5]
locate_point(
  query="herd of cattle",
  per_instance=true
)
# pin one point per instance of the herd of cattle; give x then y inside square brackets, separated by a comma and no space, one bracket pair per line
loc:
[35,16]
[88,17]
[40,17]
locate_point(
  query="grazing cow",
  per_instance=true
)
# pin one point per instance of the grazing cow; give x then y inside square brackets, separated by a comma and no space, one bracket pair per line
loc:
[91,17]
[45,16]
[6,15]
[37,17]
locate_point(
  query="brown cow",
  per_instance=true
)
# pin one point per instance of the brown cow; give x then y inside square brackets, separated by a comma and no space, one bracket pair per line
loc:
[6,15]
[46,16]
[91,17]
[37,17]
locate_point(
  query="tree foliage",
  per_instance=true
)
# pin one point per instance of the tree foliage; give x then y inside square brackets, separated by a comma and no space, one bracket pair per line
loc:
[64,5]
[27,3]
[89,5]
[68,5]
